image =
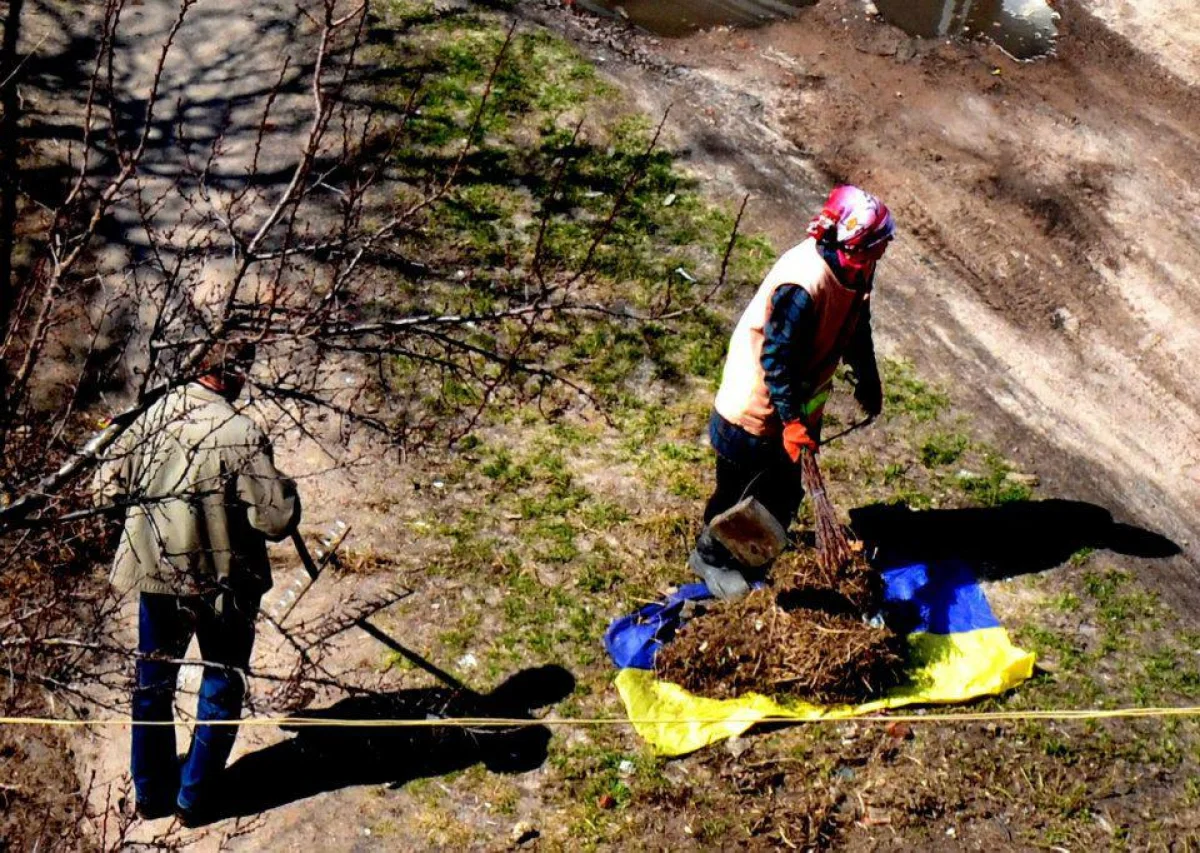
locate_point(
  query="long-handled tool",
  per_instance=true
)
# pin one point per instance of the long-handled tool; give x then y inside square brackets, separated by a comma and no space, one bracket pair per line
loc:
[847,431]
[313,569]
[299,587]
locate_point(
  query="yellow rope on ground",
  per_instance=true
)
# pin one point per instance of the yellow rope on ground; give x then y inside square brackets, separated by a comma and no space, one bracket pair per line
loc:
[1063,715]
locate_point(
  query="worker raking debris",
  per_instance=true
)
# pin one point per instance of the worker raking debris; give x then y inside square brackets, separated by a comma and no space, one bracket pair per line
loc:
[808,635]
[201,496]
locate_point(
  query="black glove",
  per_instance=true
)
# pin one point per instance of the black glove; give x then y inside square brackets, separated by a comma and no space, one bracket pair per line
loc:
[869,394]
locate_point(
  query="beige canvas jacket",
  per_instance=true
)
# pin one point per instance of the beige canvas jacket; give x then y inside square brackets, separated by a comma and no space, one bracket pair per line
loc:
[203,497]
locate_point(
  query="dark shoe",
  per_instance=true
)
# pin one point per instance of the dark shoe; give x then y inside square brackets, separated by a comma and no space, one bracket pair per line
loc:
[196,816]
[155,811]
[713,562]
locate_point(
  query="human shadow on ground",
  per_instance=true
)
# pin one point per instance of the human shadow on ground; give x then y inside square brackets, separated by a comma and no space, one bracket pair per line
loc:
[328,758]
[1003,541]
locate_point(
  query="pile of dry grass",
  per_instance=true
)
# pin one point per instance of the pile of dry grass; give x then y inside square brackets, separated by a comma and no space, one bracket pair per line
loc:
[757,645]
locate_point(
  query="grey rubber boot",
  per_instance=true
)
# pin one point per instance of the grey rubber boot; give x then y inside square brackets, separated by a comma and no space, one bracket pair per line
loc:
[707,560]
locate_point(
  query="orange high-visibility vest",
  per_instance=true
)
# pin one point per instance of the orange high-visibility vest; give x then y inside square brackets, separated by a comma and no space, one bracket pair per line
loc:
[743,398]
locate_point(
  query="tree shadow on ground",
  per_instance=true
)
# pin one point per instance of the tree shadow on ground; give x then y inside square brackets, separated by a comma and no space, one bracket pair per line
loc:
[1003,541]
[327,758]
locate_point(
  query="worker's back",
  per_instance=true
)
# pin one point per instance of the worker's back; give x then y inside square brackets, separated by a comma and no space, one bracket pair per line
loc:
[203,496]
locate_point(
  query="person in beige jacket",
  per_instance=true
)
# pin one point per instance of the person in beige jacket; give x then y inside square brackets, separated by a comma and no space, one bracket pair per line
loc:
[202,497]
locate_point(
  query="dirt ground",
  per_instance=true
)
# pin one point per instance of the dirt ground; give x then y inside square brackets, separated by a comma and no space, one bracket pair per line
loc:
[1045,276]
[1048,245]
[1167,31]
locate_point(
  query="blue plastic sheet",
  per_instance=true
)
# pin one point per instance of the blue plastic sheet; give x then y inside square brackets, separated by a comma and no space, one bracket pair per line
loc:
[939,598]
[633,641]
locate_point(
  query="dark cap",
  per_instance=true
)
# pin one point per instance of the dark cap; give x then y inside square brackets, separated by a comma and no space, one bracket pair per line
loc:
[230,357]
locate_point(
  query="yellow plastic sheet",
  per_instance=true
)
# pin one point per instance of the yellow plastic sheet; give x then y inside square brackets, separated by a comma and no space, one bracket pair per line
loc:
[945,668]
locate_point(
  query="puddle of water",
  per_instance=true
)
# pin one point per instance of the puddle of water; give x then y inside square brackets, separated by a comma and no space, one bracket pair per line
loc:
[673,18]
[1025,29]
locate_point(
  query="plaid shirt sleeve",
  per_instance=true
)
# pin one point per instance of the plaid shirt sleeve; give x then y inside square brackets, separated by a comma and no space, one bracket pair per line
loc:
[788,335]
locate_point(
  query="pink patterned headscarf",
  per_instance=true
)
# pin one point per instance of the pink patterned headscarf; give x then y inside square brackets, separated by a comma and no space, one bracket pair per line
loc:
[857,223]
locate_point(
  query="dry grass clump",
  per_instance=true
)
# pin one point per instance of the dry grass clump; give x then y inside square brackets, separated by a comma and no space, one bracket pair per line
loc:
[366,561]
[802,582]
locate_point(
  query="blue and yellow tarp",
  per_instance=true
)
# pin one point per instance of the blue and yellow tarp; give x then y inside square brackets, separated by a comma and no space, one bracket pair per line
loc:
[958,651]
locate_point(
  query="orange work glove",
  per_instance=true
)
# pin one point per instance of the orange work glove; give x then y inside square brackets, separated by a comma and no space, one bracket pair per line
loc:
[796,439]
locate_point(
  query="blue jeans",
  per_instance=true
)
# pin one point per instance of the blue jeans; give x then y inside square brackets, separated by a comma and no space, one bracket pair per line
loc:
[166,624]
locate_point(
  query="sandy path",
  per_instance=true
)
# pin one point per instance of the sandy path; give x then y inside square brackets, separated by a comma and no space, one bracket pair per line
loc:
[205,163]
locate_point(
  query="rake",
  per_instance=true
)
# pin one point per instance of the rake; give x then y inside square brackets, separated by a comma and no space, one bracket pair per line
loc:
[313,569]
